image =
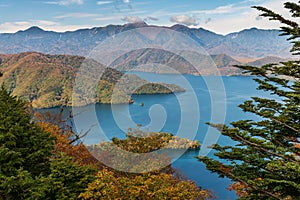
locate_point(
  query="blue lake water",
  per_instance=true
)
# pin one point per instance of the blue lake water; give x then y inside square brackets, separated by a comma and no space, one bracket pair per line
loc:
[166,113]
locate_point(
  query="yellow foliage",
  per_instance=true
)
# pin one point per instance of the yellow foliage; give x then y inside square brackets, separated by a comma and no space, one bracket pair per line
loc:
[109,185]
[240,189]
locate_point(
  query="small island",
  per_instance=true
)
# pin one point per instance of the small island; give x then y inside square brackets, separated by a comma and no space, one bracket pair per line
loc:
[141,151]
[138,141]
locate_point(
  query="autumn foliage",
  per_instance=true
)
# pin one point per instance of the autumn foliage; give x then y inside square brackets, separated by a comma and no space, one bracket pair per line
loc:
[113,184]
[62,144]
[145,186]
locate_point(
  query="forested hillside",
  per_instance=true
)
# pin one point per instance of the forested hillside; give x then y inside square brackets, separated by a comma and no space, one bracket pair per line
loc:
[47,80]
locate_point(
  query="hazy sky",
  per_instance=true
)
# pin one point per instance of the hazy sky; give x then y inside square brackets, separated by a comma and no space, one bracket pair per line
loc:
[221,16]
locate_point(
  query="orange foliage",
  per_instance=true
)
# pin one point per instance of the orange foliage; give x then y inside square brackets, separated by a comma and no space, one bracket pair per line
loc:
[225,169]
[297,145]
[145,186]
[62,144]
[240,189]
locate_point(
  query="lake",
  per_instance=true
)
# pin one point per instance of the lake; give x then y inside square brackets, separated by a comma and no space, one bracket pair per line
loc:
[214,101]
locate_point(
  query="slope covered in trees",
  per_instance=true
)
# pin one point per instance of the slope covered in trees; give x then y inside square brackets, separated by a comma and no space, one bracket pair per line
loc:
[28,168]
[42,161]
[47,80]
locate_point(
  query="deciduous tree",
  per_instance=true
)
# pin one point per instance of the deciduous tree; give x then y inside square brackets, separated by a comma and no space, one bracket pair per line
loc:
[145,186]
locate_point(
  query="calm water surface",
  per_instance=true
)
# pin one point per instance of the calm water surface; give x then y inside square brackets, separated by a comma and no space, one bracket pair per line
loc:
[171,108]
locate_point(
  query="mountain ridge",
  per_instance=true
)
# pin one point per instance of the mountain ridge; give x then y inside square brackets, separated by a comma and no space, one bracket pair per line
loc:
[249,43]
[138,25]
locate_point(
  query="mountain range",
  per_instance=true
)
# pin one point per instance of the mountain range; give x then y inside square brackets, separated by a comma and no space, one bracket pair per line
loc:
[41,66]
[249,43]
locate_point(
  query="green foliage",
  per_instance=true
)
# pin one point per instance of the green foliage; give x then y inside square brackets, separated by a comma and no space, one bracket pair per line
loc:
[158,88]
[67,179]
[18,186]
[24,149]
[265,161]
[28,169]
[23,144]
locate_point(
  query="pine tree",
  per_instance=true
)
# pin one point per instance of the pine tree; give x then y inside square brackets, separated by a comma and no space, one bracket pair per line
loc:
[24,147]
[23,144]
[265,162]
[67,179]
[28,167]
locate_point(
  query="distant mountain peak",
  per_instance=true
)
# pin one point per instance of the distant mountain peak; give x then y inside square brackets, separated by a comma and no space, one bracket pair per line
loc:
[33,30]
[136,24]
[179,26]
[253,28]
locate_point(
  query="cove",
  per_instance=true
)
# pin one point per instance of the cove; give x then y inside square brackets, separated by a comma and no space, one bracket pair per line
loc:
[168,109]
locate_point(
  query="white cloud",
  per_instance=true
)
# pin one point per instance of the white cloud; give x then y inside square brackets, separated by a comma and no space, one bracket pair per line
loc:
[259,18]
[152,18]
[225,19]
[247,18]
[136,12]
[184,19]
[208,20]
[11,27]
[107,18]
[66,2]
[69,2]
[221,10]
[104,2]
[45,23]
[132,19]
[76,15]
[252,1]
[20,23]
[128,19]
[277,6]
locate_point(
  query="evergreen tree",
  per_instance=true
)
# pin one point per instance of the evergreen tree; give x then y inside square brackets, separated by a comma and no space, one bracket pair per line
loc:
[23,144]
[28,167]
[67,179]
[24,148]
[265,162]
